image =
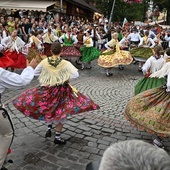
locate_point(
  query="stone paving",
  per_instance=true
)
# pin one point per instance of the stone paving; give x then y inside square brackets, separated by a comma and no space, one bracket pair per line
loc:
[88,134]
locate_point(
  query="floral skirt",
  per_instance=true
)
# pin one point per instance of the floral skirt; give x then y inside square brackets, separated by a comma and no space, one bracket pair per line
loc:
[150,111]
[89,53]
[53,104]
[141,53]
[110,58]
[19,60]
[70,51]
[147,83]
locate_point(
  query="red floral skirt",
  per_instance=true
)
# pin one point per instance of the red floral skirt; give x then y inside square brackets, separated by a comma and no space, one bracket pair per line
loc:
[52,104]
[70,51]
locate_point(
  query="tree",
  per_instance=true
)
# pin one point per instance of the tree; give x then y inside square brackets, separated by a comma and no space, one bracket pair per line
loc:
[130,11]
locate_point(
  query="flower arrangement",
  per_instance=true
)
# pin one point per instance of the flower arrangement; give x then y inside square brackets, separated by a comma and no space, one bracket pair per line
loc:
[133,1]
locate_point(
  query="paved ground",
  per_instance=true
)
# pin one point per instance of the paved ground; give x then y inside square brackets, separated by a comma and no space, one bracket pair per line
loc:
[88,134]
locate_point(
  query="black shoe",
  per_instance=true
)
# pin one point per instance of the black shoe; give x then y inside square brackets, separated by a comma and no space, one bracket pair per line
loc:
[140,69]
[89,67]
[48,133]
[109,74]
[78,62]
[158,143]
[82,67]
[121,67]
[3,168]
[59,142]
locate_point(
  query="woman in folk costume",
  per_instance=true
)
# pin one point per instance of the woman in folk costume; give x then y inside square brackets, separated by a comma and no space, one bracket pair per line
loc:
[48,39]
[153,64]
[55,99]
[69,41]
[149,110]
[89,52]
[13,45]
[144,50]
[35,47]
[5,61]
[113,56]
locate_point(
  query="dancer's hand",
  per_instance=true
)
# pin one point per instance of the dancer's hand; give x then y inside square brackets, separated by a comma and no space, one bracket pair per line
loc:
[32,63]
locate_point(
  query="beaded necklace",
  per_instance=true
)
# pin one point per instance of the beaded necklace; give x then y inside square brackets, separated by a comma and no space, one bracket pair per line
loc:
[54,62]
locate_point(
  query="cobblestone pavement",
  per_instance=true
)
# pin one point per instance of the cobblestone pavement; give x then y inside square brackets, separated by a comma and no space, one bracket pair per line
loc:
[88,134]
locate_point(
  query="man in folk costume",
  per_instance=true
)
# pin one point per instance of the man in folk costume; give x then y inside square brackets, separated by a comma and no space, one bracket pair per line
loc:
[134,37]
[11,81]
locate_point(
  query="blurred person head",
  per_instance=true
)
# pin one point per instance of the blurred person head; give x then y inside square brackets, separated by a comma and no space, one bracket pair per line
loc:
[14,33]
[158,50]
[56,48]
[168,51]
[134,155]
[147,33]
[115,35]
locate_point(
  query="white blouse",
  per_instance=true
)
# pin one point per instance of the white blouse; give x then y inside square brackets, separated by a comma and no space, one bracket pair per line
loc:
[13,80]
[153,64]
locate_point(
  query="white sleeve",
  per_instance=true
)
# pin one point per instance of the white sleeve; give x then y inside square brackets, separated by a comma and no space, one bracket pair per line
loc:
[122,41]
[4,35]
[13,80]
[75,40]
[141,42]
[61,39]
[167,38]
[152,42]
[147,65]
[38,70]
[4,41]
[98,35]
[74,76]
[168,82]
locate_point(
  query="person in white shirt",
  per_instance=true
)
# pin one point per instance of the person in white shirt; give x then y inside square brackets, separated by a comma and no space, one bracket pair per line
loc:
[134,37]
[152,64]
[167,37]
[11,80]
[149,110]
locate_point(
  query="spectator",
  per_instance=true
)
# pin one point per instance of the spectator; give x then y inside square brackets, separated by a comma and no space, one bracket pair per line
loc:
[134,155]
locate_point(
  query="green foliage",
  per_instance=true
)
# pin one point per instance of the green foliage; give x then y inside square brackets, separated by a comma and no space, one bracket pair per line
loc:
[132,12]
